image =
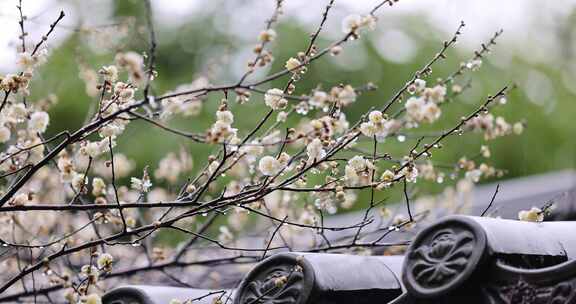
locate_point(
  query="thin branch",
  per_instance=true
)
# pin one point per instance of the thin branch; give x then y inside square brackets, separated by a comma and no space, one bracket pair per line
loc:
[152,50]
[113,170]
[407,198]
[491,200]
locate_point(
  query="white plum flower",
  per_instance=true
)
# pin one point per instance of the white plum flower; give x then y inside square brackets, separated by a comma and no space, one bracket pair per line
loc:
[124,92]
[368,129]
[133,63]
[376,117]
[269,166]
[105,261]
[351,23]
[439,93]
[368,21]
[267,35]
[17,112]
[252,151]
[319,99]
[315,150]
[430,112]
[92,149]
[222,129]
[274,99]
[25,60]
[351,175]
[292,64]
[358,163]
[225,116]
[142,185]
[110,73]
[79,182]
[474,64]
[410,173]
[388,176]
[413,107]
[420,84]
[38,122]
[535,214]
[282,116]
[377,125]
[28,61]
[98,186]
[111,130]
[347,95]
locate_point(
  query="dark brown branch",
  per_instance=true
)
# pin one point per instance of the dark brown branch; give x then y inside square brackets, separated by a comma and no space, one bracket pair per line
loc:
[491,200]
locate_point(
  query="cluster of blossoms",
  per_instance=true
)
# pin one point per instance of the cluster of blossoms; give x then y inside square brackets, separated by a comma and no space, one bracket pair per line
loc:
[274,98]
[339,96]
[22,125]
[185,105]
[535,214]
[472,171]
[379,125]
[423,107]
[354,23]
[271,166]
[133,63]
[18,83]
[358,171]
[494,127]
[221,130]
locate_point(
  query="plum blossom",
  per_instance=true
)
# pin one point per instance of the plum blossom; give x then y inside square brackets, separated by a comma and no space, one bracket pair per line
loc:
[222,129]
[133,63]
[319,100]
[357,170]
[98,186]
[110,73]
[421,110]
[315,150]
[269,165]
[535,214]
[38,122]
[267,35]
[346,95]
[377,125]
[105,261]
[142,185]
[274,99]
[351,23]
[292,64]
